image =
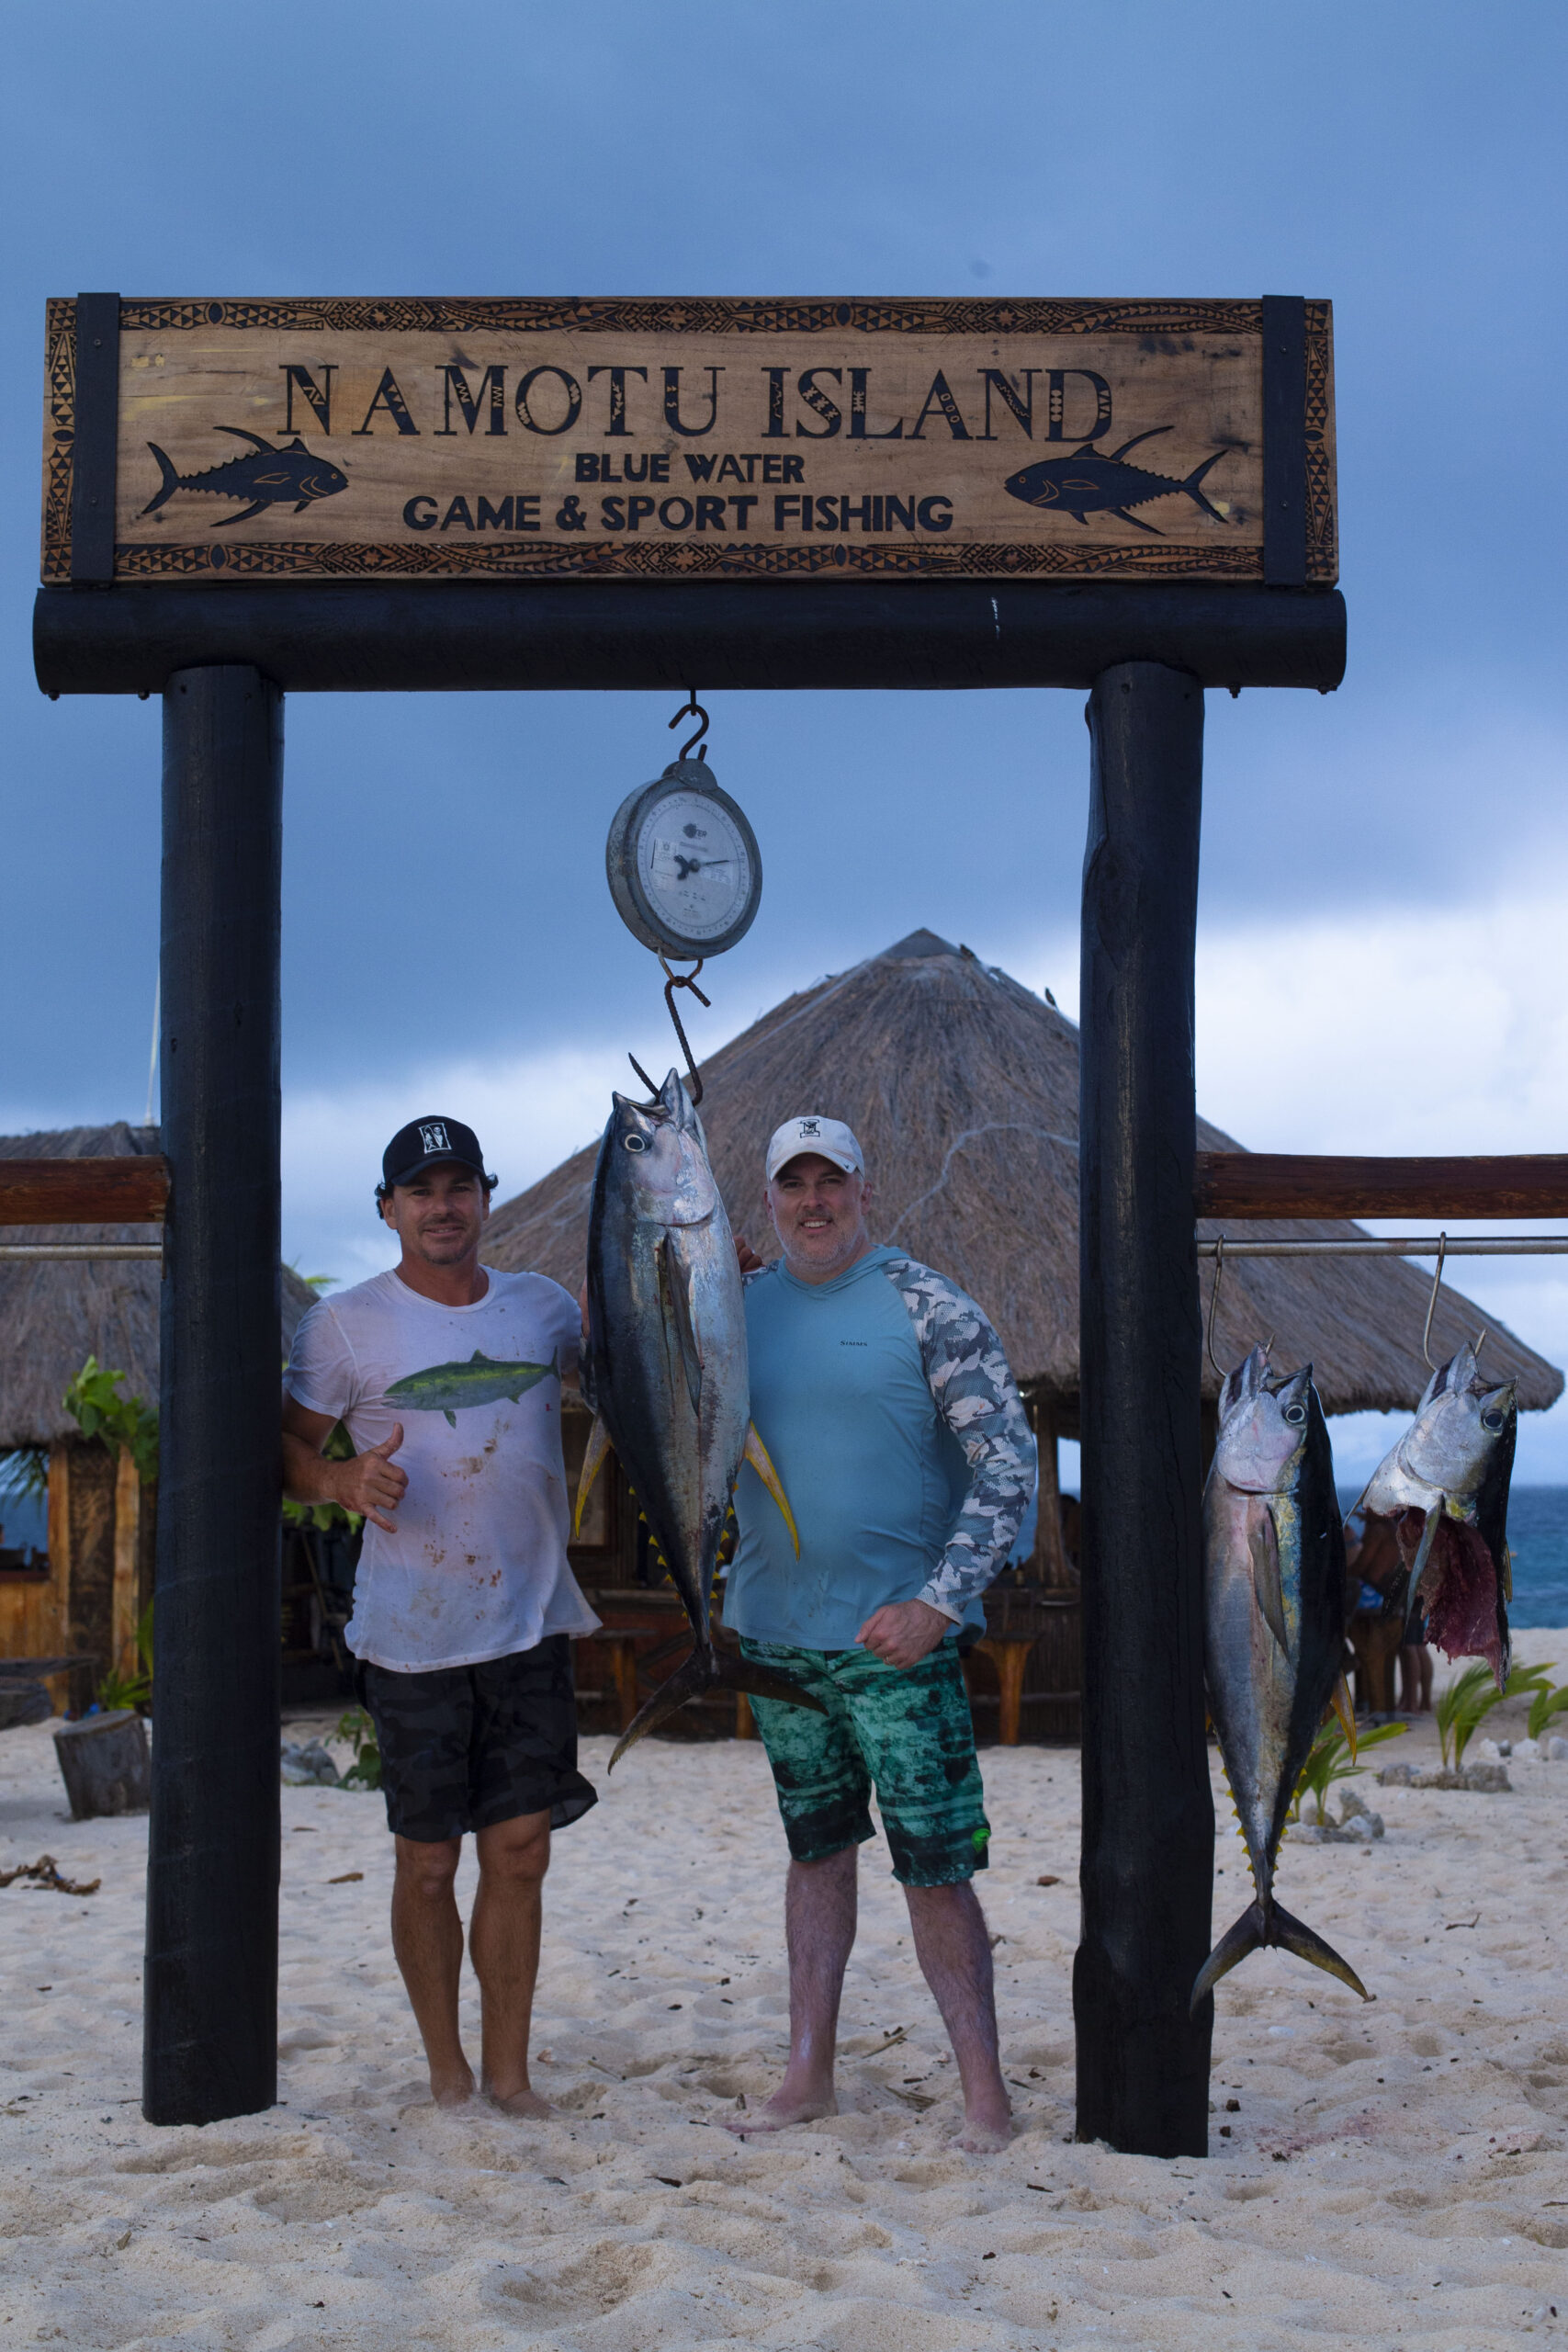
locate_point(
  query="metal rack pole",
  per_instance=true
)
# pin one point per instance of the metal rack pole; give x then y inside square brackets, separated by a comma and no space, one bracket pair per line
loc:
[1372,1245]
[76,1253]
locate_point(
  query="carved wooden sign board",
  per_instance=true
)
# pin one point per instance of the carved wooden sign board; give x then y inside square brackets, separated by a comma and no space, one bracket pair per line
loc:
[219,440]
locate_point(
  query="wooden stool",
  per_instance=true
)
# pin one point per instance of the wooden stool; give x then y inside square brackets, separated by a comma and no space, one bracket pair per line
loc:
[1009,1653]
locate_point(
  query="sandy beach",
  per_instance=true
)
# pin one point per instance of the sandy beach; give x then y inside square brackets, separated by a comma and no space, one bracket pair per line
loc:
[1393,2174]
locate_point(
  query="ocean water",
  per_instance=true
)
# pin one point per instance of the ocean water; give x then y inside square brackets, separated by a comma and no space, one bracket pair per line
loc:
[1538,1537]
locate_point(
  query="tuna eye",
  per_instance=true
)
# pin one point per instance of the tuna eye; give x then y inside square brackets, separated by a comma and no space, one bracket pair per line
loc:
[636,1142]
[1493,1420]
[1295,1413]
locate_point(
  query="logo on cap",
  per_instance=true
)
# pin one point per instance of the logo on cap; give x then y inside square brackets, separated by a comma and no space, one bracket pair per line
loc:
[434,1137]
[810,1127]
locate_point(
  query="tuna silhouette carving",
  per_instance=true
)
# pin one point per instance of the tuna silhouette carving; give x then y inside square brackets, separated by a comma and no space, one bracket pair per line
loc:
[1091,483]
[266,475]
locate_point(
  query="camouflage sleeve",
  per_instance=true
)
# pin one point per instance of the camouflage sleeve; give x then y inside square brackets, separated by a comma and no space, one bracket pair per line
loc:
[975,1392]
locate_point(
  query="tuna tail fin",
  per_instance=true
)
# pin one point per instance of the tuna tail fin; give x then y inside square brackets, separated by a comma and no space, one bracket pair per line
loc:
[1256,1930]
[1248,1935]
[757,1455]
[710,1670]
[1293,1935]
[1195,477]
[171,480]
[594,1453]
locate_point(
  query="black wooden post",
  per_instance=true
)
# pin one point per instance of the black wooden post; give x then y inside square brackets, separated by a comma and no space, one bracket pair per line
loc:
[210,2046]
[1149,1829]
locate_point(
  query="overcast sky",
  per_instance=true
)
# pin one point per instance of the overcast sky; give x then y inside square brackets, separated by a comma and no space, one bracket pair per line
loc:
[1385,901]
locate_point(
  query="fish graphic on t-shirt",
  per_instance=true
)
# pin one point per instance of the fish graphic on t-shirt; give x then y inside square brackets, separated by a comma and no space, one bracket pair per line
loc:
[452,1389]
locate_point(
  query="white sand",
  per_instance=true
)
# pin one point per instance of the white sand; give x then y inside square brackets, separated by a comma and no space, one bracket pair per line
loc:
[355,2215]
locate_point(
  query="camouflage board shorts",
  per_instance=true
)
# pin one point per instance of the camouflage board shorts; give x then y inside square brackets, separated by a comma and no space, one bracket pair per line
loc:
[466,1746]
[908,1733]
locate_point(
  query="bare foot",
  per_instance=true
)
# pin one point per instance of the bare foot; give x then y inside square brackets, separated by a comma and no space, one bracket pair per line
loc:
[527,2105]
[785,2108]
[982,2137]
[452,2090]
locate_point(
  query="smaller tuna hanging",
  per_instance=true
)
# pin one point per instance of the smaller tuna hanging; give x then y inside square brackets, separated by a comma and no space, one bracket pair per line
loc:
[1273,1631]
[1444,1487]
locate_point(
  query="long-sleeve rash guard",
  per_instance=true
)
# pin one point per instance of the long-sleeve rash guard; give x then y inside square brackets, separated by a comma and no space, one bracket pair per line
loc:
[898,1434]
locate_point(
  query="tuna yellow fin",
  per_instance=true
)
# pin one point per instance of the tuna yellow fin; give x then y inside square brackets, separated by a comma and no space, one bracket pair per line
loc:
[1344,1707]
[593,1454]
[757,1456]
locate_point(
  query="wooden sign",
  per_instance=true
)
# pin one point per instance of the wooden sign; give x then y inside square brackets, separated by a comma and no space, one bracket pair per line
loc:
[315,439]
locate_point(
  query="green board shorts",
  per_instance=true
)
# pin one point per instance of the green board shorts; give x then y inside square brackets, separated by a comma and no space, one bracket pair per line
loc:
[909,1734]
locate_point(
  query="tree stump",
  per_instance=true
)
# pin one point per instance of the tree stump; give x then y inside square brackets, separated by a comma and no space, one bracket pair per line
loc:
[106,1764]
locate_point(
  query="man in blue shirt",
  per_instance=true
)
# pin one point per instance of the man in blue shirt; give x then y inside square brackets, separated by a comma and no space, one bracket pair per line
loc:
[884,1398]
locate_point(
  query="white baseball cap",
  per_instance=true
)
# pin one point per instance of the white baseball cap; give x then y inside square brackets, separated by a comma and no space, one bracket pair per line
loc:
[830,1137]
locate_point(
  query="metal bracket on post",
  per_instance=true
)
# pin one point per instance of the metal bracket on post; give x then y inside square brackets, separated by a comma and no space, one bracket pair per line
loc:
[95,446]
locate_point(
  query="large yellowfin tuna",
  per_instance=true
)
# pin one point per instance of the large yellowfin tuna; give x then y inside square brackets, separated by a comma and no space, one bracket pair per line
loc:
[666,1368]
[1273,1630]
[1445,1488]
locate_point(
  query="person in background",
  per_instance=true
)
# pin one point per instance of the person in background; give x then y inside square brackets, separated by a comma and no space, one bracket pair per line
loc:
[448,1375]
[884,1400]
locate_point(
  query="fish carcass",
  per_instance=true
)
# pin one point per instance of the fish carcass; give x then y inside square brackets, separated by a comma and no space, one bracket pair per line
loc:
[1273,1630]
[1445,1489]
[667,1370]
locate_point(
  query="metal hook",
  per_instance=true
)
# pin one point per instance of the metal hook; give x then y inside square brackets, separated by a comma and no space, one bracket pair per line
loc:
[1432,1302]
[692,708]
[652,1090]
[1214,1302]
[673,981]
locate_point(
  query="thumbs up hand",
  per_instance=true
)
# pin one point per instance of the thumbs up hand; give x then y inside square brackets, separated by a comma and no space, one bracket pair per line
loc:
[372,1483]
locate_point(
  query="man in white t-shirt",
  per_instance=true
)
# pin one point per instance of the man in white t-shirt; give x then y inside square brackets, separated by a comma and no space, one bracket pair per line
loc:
[448,1375]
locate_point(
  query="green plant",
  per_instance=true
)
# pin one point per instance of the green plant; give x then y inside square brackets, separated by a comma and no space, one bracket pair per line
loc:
[1471,1696]
[1330,1762]
[24,1472]
[94,1400]
[135,1691]
[1546,1704]
[339,1447]
[357,1732]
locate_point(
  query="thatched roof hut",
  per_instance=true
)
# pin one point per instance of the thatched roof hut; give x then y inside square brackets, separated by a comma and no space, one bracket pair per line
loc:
[52,1316]
[86,1597]
[963,1086]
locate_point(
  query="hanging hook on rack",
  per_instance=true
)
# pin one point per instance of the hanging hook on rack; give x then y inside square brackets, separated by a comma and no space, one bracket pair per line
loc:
[673,981]
[1432,1302]
[692,708]
[1214,1302]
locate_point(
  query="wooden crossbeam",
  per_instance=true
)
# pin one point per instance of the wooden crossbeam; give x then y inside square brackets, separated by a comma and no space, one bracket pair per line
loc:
[132,1189]
[1286,1185]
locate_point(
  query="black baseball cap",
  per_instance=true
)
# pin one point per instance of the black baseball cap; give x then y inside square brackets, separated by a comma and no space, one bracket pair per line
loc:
[424,1143]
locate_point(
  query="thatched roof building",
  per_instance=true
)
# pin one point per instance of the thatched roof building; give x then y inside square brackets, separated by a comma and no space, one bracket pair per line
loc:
[52,1316]
[963,1086]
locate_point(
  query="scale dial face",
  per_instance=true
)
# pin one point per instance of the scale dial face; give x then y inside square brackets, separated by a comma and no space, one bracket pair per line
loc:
[683,864]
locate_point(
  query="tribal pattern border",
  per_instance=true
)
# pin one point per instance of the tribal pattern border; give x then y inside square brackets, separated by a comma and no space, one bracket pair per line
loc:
[1323,553]
[685,560]
[699,315]
[59,433]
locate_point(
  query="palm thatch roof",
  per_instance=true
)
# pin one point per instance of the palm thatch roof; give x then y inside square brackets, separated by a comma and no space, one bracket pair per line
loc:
[53,1316]
[963,1087]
